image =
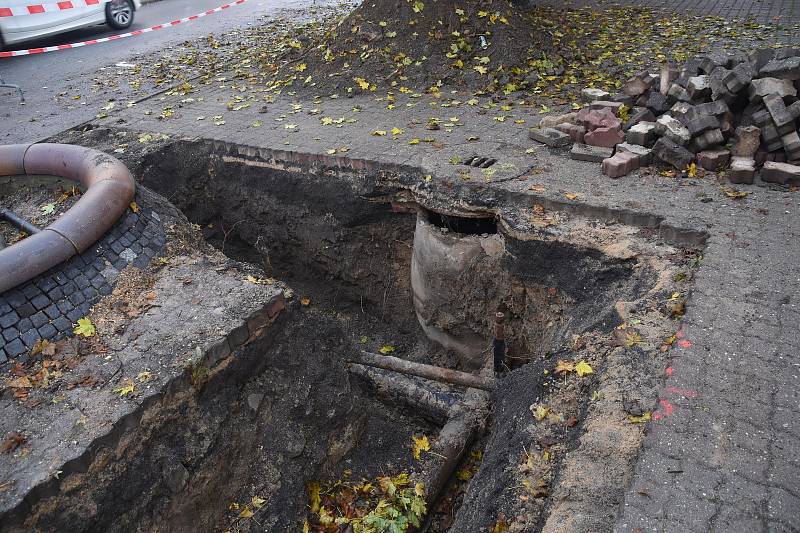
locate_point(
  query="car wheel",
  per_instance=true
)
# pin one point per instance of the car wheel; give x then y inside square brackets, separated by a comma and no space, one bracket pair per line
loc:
[119,14]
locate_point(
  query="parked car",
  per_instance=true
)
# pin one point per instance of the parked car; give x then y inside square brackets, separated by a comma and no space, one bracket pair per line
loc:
[23,27]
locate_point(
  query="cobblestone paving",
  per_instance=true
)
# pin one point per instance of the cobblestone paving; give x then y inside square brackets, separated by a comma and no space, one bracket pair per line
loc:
[774,11]
[722,453]
[47,306]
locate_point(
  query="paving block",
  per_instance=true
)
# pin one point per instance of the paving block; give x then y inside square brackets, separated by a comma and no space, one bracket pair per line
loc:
[551,121]
[591,94]
[672,153]
[638,85]
[593,154]
[657,103]
[780,115]
[598,118]
[606,104]
[550,136]
[785,69]
[669,73]
[691,67]
[762,87]
[607,137]
[620,164]
[713,159]
[644,154]
[716,108]
[643,134]
[679,93]
[748,140]
[719,91]
[637,115]
[771,138]
[681,109]
[738,78]
[707,140]
[697,123]
[743,170]
[760,57]
[669,126]
[698,87]
[794,109]
[791,145]
[713,60]
[575,131]
[782,173]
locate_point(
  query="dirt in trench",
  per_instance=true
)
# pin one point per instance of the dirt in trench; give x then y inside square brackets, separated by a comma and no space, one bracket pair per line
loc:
[342,247]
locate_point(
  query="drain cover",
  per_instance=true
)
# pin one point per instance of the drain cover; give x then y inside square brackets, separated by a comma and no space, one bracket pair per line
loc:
[480,162]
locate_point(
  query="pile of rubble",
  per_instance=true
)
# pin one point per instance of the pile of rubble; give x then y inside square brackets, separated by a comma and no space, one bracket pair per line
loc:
[736,112]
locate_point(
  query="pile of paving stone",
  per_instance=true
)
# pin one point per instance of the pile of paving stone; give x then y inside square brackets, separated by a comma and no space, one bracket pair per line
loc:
[736,112]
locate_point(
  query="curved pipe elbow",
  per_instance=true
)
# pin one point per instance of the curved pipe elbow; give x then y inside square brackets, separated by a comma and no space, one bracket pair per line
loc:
[109,189]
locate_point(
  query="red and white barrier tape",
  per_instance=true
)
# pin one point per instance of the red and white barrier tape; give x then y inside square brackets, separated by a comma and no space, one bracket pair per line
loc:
[33,9]
[31,51]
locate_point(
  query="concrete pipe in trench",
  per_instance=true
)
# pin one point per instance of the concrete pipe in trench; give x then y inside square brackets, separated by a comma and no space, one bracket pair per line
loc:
[109,189]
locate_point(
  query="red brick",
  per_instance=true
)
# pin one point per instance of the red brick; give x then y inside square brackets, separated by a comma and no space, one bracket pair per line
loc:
[620,164]
[575,131]
[606,137]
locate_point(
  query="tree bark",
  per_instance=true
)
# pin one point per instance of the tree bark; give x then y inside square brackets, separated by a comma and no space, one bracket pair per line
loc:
[435,373]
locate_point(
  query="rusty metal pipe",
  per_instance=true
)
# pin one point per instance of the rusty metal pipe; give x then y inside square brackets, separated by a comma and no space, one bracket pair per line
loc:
[18,221]
[109,190]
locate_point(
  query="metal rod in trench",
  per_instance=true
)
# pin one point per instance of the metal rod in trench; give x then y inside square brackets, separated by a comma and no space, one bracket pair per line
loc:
[18,221]
[499,342]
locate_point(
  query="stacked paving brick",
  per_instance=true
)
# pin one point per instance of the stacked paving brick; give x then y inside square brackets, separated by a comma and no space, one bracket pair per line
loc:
[732,111]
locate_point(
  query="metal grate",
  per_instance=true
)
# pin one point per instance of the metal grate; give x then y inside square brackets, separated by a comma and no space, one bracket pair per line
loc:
[480,162]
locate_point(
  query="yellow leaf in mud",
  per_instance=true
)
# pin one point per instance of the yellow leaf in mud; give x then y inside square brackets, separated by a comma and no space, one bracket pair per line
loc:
[126,388]
[314,489]
[639,419]
[622,112]
[306,527]
[387,349]
[85,328]
[418,6]
[564,367]
[301,67]
[259,281]
[691,170]
[583,369]
[570,196]
[419,444]
[134,207]
[290,126]
[20,383]
[632,339]
[379,133]
[257,124]
[414,141]
[257,502]
[396,131]
[246,512]
[480,69]
[331,151]
[144,376]
[48,209]
[419,489]
[325,517]
[305,302]
[364,84]
[540,412]
[730,192]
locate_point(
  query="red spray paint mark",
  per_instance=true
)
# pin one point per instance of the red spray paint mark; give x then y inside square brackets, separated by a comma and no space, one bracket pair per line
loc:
[686,393]
[669,371]
[667,410]
[684,343]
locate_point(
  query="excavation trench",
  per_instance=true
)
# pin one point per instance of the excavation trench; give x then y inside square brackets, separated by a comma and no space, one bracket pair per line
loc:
[367,272]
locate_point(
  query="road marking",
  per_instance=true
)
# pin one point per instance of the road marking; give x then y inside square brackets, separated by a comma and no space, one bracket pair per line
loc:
[42,50]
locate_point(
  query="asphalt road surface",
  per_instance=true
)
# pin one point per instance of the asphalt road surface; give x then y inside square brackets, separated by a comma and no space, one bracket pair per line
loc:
[44,76]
